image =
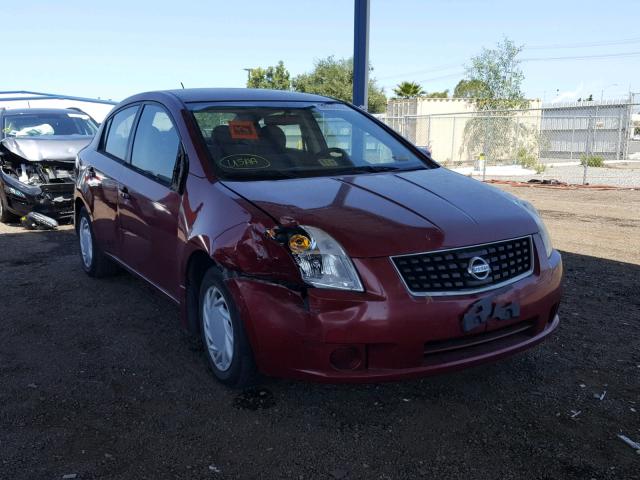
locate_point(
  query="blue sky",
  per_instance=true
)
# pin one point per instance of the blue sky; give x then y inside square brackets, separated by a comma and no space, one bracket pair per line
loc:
[116,48]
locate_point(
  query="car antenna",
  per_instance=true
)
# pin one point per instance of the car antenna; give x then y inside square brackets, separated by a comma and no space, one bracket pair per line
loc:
[182,84]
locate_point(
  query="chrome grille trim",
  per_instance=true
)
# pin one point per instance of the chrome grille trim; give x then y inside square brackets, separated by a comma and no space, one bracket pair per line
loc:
[468,291]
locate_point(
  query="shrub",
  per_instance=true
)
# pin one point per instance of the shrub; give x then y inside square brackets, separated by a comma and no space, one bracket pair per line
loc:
[540,168]
[526,159]
[592,160]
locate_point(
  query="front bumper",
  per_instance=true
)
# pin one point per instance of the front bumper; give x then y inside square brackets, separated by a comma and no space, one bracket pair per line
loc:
[55,201]
[395,335]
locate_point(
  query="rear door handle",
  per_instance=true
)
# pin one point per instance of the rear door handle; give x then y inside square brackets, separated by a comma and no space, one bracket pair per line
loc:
[124,192]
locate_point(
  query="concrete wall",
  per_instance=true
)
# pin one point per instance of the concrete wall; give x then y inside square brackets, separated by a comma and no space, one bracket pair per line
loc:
[439,123]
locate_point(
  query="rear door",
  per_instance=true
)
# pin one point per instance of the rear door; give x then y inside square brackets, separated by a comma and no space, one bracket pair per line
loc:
[149,200]
[103,172]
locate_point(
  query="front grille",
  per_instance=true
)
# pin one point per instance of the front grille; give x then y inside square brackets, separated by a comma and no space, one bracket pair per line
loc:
[446,272]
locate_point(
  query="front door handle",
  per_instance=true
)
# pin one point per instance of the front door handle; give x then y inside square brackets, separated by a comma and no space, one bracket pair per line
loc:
[124,192]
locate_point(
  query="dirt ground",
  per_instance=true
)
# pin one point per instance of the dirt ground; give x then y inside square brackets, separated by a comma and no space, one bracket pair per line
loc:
[98,380]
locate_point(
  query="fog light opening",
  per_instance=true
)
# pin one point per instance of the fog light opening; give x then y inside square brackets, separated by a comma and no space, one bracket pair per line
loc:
[346,358]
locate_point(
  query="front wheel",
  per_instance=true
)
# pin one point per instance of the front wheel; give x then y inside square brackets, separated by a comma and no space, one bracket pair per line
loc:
[5,215]
[225,342]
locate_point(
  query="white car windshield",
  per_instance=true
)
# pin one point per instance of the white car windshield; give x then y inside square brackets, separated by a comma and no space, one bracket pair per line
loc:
[51,123]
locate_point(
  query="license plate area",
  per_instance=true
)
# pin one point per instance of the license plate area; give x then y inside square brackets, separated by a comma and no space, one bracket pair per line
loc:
[482,311]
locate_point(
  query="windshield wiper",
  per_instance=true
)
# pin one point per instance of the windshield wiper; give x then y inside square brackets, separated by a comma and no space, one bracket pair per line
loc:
[384,168]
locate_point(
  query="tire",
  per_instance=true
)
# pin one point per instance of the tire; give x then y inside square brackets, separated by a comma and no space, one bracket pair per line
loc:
[233,365]
[93,260]
[5,215]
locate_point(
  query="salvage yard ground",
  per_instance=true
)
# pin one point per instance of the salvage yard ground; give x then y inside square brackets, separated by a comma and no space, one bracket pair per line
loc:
[97,380]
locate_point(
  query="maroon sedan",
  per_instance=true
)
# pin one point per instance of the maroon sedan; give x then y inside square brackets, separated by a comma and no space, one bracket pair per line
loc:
[303,238]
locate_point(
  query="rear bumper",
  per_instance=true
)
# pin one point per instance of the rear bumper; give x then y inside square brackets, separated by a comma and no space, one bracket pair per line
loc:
[395,336]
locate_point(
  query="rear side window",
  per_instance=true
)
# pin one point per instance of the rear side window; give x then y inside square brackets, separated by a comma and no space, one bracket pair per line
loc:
[119,132]
[156,144]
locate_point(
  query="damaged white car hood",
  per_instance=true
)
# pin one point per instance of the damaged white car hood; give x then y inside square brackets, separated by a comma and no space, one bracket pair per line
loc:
[46,148]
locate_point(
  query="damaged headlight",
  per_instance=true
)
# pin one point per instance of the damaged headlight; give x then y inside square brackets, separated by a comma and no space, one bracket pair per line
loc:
[542,229]
[14,192]
[322,261]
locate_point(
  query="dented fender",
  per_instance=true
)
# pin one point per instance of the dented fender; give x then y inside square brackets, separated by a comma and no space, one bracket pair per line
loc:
[245,248]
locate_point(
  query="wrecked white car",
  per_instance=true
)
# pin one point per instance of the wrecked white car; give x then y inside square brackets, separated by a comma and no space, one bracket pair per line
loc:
[38,148]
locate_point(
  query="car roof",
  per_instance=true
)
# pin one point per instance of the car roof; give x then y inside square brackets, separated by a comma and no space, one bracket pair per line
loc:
[21,111]
[244,94]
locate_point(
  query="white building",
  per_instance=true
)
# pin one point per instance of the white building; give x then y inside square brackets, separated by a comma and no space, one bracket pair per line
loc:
[97,108]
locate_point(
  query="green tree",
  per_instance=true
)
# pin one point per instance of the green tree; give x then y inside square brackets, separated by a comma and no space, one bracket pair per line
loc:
[469,89]
[494,83]
[588,99]
[334,78]
[408,90]
[498,69]
[442,94]
[276,77]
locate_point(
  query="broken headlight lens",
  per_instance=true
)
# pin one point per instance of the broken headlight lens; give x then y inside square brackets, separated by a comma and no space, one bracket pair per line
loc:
[14,192]
[323,263]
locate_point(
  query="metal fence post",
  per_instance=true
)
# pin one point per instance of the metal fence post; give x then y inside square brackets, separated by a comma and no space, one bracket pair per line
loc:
[588,149]
[619,147]
[573,134]
[484,150]
[515,157]
[429,131]
[453,138]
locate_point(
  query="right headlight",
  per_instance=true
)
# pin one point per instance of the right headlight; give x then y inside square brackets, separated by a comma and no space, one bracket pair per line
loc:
[322,261]
[542,229]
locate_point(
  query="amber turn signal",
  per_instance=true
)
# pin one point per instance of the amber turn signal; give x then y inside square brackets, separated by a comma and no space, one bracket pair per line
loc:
[299,243]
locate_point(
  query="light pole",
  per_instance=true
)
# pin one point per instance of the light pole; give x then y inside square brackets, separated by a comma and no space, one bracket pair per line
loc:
[360,53]
[248,70]
[604,88]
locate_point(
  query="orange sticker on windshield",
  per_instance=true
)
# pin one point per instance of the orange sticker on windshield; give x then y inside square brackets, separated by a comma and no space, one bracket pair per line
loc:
[242,130]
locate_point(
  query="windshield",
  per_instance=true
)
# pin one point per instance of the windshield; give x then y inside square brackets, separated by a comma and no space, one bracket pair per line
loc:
[51,123]
[297,140]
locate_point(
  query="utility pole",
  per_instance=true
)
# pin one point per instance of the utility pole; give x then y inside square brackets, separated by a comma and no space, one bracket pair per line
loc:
[361,53]
[248,70]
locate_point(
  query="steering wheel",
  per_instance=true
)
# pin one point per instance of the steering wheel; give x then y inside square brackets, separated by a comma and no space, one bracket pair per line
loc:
[340,156]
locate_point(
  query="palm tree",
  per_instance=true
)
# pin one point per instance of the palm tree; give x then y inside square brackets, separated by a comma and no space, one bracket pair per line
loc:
[409,90]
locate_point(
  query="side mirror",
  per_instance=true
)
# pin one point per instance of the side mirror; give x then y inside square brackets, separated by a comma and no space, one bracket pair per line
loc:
[180,170]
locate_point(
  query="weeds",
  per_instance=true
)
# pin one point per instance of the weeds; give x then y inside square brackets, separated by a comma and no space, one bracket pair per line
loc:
[592,160]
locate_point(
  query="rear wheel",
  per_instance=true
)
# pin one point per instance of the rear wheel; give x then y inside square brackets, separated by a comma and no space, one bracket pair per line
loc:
[225,342]
[94,262]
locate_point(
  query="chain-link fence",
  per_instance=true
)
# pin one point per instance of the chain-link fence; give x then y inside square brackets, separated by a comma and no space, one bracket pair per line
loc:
[574,144]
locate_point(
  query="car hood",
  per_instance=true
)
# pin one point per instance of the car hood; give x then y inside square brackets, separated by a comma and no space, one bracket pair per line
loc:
[46,148]
[374,215]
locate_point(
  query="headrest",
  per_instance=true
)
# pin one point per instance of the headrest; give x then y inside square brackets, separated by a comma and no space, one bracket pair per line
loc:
[274,135]
[221,134]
